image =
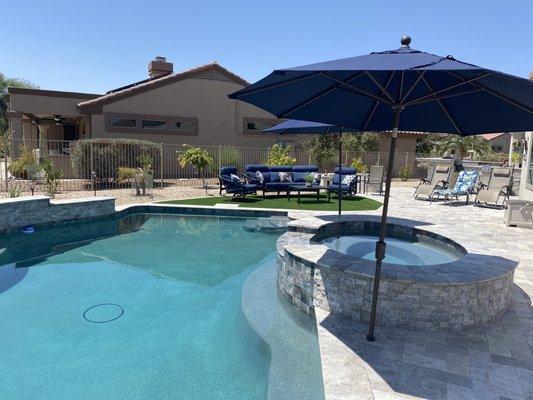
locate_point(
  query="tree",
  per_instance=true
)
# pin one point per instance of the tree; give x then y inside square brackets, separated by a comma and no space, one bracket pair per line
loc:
[323,149]
[6,82]
[428,144]
[198,158]
[280,155]
[358,143]
[477,146]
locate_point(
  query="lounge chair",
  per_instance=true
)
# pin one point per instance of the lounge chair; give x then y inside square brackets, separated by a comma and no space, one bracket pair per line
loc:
[232,184]
[498,188]
[346,188]
[439,180]
[464,186]
[376,177]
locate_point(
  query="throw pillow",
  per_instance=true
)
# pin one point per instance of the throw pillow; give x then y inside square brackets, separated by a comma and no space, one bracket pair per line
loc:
[259,175]
[235,178]
[348,179]
[316,178]
[285,177]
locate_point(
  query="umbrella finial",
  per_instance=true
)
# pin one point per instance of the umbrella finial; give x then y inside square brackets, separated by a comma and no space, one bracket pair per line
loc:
[406,40]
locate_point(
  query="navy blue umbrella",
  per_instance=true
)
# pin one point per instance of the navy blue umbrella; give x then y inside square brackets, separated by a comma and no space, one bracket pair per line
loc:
[369,93]
[292,126]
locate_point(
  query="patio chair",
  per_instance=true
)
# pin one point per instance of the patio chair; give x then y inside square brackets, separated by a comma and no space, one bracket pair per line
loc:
[346,188]
[439,180]
[232,184]
[464,186]
[498,188]
[376,177]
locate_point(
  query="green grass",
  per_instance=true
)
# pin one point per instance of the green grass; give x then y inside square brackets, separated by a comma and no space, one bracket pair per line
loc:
[308,202]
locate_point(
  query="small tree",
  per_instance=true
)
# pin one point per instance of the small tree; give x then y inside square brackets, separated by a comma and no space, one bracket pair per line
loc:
[323,149]
[198,158]
[280,155]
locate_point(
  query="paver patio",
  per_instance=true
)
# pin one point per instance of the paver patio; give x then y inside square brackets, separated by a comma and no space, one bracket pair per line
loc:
[489,361]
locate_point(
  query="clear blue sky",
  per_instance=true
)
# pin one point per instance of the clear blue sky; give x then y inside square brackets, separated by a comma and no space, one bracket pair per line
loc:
[94,46]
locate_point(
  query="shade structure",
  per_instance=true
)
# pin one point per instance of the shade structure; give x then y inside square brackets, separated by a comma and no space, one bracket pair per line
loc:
[292,127]
[404,89]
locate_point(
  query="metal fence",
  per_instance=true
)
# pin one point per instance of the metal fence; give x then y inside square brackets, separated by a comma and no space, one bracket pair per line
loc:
[88,165]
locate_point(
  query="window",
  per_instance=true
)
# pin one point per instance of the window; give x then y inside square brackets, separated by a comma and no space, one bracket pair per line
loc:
[257,125]
[120,122]
[151,124]
[154,124]
[182,126]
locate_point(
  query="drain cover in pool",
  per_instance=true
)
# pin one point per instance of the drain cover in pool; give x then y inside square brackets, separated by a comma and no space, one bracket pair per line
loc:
[101,313]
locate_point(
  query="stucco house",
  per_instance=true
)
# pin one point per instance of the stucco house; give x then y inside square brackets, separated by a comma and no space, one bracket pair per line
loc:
[185,107]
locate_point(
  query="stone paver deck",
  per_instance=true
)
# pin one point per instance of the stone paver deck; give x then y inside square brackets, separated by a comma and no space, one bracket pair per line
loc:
[489,361]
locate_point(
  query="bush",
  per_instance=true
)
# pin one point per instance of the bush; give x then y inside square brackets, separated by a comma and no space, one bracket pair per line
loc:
[406,173]
[280,155]
[225,156]
[52,177]
[25,165]
[359,166]
[109,155]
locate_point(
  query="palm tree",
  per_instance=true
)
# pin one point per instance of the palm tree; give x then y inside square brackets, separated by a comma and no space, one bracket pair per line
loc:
[464,146]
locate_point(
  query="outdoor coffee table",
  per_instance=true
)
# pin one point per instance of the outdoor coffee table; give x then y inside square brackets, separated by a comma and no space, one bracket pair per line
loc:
[302,188]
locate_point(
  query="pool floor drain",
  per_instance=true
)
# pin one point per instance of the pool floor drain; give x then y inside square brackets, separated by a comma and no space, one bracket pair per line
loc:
[102,313]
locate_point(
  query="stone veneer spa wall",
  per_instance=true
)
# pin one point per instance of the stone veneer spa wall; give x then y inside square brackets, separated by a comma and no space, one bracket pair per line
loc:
[474,289]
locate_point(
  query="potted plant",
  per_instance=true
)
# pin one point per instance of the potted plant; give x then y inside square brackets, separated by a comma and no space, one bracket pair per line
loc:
[309,180]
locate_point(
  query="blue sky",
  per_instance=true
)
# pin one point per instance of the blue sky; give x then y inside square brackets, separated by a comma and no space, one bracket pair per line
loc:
[93,46]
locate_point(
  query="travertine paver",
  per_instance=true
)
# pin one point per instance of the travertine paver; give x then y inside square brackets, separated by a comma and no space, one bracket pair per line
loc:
[489,361]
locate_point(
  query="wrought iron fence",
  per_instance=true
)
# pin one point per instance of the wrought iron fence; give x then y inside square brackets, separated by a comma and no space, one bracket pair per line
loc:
[89,165]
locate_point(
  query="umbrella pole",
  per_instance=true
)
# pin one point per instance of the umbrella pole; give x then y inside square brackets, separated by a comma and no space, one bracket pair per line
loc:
[380,245]
[339,193]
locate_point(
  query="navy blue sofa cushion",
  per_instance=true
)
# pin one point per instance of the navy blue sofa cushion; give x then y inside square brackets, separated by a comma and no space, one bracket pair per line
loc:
[298,177]
[304,168]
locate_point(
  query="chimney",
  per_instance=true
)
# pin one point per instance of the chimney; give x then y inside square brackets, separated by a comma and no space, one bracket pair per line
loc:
[159,67]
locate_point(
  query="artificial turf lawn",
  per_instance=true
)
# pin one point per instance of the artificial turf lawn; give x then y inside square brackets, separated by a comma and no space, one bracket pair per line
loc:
[308,202]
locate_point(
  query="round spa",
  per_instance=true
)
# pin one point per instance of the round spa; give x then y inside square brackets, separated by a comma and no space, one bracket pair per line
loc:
[428,281]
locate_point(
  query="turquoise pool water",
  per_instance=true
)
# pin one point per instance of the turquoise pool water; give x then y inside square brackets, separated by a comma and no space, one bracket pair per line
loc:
[399,251]
[151,307]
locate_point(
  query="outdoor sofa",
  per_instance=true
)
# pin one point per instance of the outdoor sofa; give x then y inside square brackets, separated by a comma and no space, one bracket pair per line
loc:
[270,180]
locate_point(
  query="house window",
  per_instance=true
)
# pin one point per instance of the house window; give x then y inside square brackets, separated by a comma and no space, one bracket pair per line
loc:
[154,124]
[182,126]
[252,125]
[121,122]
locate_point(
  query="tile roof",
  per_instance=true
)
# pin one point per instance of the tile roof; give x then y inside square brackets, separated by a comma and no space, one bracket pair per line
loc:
[149,84]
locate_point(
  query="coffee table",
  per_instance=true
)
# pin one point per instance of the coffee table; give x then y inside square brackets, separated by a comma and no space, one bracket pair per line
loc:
[302,188]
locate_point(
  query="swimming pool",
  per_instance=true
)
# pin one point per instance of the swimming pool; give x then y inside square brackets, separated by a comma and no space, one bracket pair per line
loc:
[151,306]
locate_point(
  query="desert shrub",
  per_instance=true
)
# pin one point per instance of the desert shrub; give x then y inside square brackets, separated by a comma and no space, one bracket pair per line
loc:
[139,176]
[25,162]
[52,177]
[406,172]
[280,155]
[109,155]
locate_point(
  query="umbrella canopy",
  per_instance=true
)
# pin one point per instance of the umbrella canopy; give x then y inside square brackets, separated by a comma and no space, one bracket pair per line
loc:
[292,126]
[437,94]
[369,93]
